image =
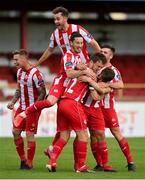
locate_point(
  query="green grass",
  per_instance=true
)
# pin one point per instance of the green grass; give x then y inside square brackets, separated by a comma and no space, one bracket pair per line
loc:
[9,162]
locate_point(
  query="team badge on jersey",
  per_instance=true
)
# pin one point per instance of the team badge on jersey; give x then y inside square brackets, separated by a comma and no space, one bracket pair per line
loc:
[41,82]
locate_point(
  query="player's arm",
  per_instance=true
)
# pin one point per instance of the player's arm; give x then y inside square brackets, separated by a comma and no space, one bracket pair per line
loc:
[42,93]
[95,95]
[47,53]
[95,45]
[99,89]
[71,73]
[40,85]
[81,66]
[89,39]
[117,85]
[15,99]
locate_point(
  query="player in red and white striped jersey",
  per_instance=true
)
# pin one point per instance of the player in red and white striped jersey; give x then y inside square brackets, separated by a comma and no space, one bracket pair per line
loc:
[61,38]
[108,109]
[96,122]
[30,89]
[72,117]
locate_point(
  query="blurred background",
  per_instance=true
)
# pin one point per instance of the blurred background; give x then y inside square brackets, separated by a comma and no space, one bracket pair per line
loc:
[29,24]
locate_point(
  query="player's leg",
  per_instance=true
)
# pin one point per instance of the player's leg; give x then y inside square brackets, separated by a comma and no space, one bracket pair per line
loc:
[19,143]
[63,132]
[110,114]
[31,130]
[55,92]
[56,150]
[18,140]
[124,145]
[80,150]
[99,147]
[31,147]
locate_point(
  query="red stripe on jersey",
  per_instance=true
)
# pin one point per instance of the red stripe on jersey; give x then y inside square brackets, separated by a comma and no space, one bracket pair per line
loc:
[55,44]
[28,86]
[108,101]
[89,101]
[64,39]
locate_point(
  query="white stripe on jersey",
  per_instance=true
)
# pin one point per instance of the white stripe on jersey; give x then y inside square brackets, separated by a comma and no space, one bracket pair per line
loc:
[30,86]
[107,101]
[72,59]
[66,41]
[23,103]
[89,102]
[84,34]
[18,72]
[51,43]
[74,27]
[56,33]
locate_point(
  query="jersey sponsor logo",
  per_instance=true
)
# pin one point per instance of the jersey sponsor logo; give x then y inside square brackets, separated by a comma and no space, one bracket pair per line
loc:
[68,64]
[56,90]
[40,82]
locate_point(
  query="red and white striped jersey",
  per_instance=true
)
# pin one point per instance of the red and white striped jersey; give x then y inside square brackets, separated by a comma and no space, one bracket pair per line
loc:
[89,101]
[108,101]
[62,40]
[68,61]
[29,81]
[75,90]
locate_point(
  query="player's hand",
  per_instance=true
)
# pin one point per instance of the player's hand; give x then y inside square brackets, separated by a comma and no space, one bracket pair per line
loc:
[81,66]
[10,105]
[84,79]
[89,72]
[103,85]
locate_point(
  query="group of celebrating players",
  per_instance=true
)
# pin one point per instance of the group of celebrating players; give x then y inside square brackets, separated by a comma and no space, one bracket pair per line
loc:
[84,93]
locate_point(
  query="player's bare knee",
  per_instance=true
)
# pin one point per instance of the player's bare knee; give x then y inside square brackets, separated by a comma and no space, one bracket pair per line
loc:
[65,135]
[16,133]
[116,133]
[82,135]
[30,136]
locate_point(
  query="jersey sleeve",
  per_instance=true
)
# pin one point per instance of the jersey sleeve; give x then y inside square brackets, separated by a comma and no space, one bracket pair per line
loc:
[117,75]
[52,42]
[68,61]
[38,79]
[85,34]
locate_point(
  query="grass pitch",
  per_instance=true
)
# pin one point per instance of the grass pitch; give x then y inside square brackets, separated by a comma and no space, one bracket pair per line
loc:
[9,162]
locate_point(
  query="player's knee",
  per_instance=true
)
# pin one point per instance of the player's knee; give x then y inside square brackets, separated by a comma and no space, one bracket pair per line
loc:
[16,133]
[82,135]
[117,133]
[65,135]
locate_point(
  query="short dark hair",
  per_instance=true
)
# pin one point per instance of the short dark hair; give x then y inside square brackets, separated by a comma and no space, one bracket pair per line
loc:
[22,52]
[62,10]
[74,35]
[107,74]
[109,47]
[98,57]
